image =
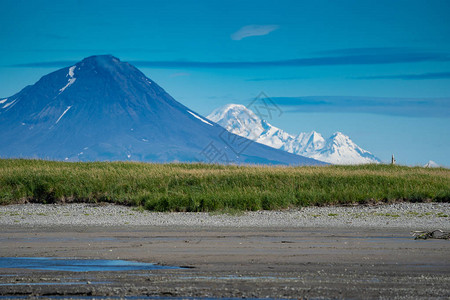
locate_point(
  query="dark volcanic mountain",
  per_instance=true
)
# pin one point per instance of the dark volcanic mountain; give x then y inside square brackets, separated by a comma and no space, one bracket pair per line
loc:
[104,109]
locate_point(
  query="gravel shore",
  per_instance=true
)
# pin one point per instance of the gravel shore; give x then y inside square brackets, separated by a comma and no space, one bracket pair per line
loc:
[414,216]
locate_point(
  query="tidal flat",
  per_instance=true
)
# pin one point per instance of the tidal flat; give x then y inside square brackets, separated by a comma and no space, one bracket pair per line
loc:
[314,253]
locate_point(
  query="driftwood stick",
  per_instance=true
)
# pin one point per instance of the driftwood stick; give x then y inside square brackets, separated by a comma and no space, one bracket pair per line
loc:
[434,234]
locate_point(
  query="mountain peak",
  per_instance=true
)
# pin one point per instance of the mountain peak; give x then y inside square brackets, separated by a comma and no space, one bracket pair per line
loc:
[315,141]
[316,136]
[103,58]
[431,164]
[101,63]
[339,137]
[338,133]
[235,112]
[234,108]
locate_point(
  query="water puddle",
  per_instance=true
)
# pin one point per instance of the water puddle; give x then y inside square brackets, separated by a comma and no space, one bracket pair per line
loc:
[140,297]
[76,265]
[57,239]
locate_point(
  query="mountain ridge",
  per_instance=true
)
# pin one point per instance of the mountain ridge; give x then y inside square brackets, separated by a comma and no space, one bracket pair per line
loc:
[337,149]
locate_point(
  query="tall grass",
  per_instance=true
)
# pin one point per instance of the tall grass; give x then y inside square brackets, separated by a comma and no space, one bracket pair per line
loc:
[203,187]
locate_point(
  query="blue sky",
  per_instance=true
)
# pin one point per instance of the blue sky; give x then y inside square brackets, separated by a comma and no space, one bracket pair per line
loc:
[379,71]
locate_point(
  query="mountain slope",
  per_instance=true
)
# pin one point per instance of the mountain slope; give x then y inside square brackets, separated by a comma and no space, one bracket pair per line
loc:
[338,149]
[105,109]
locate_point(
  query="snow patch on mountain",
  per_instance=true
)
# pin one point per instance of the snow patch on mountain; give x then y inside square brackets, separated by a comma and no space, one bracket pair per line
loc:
[3,100]
[9,104]
[200,118]
[337,149]
[71,79]
[62,115]
[71,71]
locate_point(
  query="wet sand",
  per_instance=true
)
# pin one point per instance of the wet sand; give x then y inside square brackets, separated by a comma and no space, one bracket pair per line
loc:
[285,262]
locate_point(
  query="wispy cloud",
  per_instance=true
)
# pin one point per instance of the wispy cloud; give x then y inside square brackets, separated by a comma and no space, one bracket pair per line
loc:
[305,62]
[366,59]
[369,50]
[409,107]
[423,76]
[253,30]
[373,59]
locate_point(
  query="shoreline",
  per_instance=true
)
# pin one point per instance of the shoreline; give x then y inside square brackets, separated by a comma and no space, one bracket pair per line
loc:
[413,216]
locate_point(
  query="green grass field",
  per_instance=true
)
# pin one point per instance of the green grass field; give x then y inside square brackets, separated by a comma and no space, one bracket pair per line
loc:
[203,187]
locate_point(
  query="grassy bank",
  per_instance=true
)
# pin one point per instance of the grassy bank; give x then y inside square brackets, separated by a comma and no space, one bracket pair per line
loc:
[200,187]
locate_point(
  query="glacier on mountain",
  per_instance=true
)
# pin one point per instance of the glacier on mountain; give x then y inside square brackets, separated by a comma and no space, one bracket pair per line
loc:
[337,149]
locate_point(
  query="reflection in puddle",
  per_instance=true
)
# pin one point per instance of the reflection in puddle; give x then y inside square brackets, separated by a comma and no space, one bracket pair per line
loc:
[76,265]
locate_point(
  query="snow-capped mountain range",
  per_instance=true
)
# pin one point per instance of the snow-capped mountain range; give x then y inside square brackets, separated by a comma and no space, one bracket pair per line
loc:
[337,149]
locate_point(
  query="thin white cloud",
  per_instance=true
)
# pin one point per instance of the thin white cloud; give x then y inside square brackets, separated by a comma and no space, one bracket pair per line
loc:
[253,30]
